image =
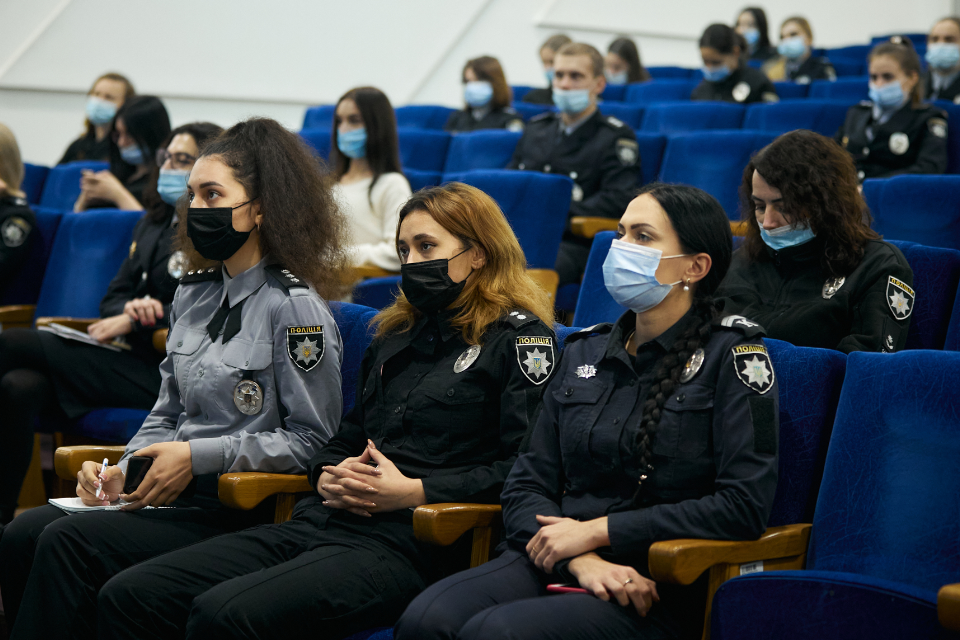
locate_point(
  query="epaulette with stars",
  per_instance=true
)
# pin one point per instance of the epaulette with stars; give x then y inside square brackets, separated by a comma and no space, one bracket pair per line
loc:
[748,328]
[520,318]
[284,277]
[210,274]
[603,327]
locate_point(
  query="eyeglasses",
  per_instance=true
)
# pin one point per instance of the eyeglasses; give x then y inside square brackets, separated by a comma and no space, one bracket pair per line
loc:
[178,160]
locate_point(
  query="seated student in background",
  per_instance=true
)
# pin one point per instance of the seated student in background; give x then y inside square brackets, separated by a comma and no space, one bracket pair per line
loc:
[106,95]
[370,186]
[41,373]
[487,96]
[895,131]
[943,60]
[811,271]
[251,381]
[796,62]
[726,75]
[139,127]
[17,222]
[448,389]
[600,154]
[661,425]
[622,64]
[547,53]
[752,26]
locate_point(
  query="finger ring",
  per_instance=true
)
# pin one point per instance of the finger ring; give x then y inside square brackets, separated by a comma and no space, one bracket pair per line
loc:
[627,581]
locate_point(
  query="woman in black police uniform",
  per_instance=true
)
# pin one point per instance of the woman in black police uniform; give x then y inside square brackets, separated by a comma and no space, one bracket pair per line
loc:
[449,388]
[659,426]
[17,222]
[895,132]
[726,75]
[943,61]
[811,270]
[753,27]
[796,61]
[42,373]
[487,96]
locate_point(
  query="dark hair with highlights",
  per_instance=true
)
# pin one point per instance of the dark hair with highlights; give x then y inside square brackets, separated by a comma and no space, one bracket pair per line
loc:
[627,49]
[383,146]
[303,229]
[701,227]
[818,182]
[202,133]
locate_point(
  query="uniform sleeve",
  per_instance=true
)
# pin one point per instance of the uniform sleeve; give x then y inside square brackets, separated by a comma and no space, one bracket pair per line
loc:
[12,258]
[739,294]
[873,317]
[519,402]
[618,182]
[933,152]
[389,195]
[310,403]
[745,426]
[517,157]
[72,152]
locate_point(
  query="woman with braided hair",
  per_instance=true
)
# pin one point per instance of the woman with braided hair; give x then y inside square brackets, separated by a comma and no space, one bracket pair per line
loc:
[659,426]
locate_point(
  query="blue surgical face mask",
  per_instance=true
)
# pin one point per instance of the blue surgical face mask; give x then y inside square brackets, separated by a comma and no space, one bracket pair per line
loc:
[478,94]
[787,236]
[792,48]
[630,275]
[752,36]
[548,74]
[571,101]
[132,154]
[100,111]
[716,74]
[353,144]
[172,184]
[616,78]
[943,55]
[888,96]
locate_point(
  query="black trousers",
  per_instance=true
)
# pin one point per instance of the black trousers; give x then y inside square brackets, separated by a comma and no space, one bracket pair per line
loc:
[52,565]
[506,598]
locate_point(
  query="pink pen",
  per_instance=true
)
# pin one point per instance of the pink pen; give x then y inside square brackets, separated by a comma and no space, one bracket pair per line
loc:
[103,470]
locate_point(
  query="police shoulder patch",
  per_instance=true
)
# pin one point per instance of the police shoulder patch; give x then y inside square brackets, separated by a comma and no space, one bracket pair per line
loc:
[628,151]
[900,298]
[748,328]
[938,127]
[210,274]
[305,346]
[753,366]
[284,277]
[535,355]
[14,231]
[520,318]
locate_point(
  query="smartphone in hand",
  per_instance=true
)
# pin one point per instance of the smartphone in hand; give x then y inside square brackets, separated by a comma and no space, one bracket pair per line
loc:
[137,468]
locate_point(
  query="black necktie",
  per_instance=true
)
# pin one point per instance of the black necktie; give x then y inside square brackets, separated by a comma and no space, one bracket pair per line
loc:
[228,315]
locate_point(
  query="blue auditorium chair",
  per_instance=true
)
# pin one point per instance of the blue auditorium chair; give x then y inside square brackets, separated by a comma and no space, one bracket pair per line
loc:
[953,134]
[680,117]
[917,208]
[423,149]
[423,116]
[856,52]
[918,39]
[614,92]
[319,139]
[25,288]
[660,91]
[485,149]
[712,161]
[377,293]
[854,89]
[671,73]
[62,187]
[529,110]
[823,116]
[887,520]
[319,117]
[791,90]
[936,277]
[594,303]
[846,68]
[520,90]
[420,179]
[34,176]
[629,114]
[651,146]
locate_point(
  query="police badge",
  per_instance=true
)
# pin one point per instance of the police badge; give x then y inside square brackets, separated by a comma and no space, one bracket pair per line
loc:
[468,357]
[248,396]
[535,356]
[899,143]
[14,231]
[900,298]
[741,92]
[628,151]
[753,366]
[176,264]
[692,368]
[831,286]
[305,346]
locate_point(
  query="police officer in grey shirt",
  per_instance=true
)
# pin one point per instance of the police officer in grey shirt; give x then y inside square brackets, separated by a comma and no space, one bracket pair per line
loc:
[251,381]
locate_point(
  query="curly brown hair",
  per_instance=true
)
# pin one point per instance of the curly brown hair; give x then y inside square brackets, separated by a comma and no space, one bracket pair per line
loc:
[818,182]
[303,228]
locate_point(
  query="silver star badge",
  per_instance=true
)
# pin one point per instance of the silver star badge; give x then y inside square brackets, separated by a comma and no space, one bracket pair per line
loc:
[306,351]
[586,371]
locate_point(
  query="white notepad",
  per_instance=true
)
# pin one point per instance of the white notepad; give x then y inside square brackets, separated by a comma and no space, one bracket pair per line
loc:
[75,505]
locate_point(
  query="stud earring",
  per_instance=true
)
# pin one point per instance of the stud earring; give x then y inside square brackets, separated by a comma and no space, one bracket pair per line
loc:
[686,286]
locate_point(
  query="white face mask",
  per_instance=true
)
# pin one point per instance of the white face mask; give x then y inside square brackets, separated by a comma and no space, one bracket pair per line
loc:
[630,275]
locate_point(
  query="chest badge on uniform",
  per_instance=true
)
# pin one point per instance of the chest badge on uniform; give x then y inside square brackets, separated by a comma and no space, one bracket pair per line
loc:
[899,143]
[577,194]
[586,371]
[741,92]
[888,344]
[14,231]
[466,359]
[628,151]
[900,298]
[753,366]
[176,264]
[831,286]
[248,396]
[692,368]
[536,357]
[305,346]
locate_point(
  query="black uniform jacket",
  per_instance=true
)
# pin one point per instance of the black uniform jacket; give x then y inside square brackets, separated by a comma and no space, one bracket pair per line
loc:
[745,85]
[913,140]
[86,147]
[714,450]
[17,234]
[951,92]
[539,96]
[601,157]
[505,118]
[459,432]
[789,293]
[813,68]
[764,53]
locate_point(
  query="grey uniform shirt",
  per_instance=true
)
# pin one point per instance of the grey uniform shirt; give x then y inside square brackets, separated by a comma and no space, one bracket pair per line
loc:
[288,344]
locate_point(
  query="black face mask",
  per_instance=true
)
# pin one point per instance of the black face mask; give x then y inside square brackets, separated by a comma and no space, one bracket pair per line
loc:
[427,285]
[212,232]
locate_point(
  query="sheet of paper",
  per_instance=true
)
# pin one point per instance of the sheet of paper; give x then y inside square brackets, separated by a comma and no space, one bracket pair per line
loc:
[72,334]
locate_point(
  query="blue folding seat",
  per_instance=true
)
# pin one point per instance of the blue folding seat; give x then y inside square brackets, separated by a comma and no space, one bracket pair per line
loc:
[918,39]
[936,276]
[953,134]
[319,139]
[520,90]
[34,175]
[594,303]
[671,73]
[823,116]
[420,179]
[791,90]
[660,91]
[917,208]
[713,161]
[423,149]
[629,114]
[680,117]
[377,293]
[651,146]
[485,149]
[845,68]
[319,117]
[528,110]
[62,187]
[423,116]
[856,52]
[887,521]
[854,89]
[25,287]
[614,92]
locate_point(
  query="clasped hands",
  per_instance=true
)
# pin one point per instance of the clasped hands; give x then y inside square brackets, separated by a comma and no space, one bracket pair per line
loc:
[144,310]
[362,489]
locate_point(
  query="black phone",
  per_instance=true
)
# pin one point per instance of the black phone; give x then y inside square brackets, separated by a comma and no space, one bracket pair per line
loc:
[137,468]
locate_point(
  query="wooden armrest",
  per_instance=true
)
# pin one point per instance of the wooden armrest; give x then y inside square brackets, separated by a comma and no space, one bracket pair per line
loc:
[247,490]
[948,606]
[589,226]
[68,460]
[79,324]
[739,228]
[160,340]
[17,315]
[683,561]
[442,524]
[548,279]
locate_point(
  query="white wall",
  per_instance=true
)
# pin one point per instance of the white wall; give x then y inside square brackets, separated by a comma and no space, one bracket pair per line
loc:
[223,60]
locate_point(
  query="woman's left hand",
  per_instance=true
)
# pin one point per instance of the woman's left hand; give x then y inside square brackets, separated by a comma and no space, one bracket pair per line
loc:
[562,538]
[394,491]
[169,475]
[101,185]
[109,328]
